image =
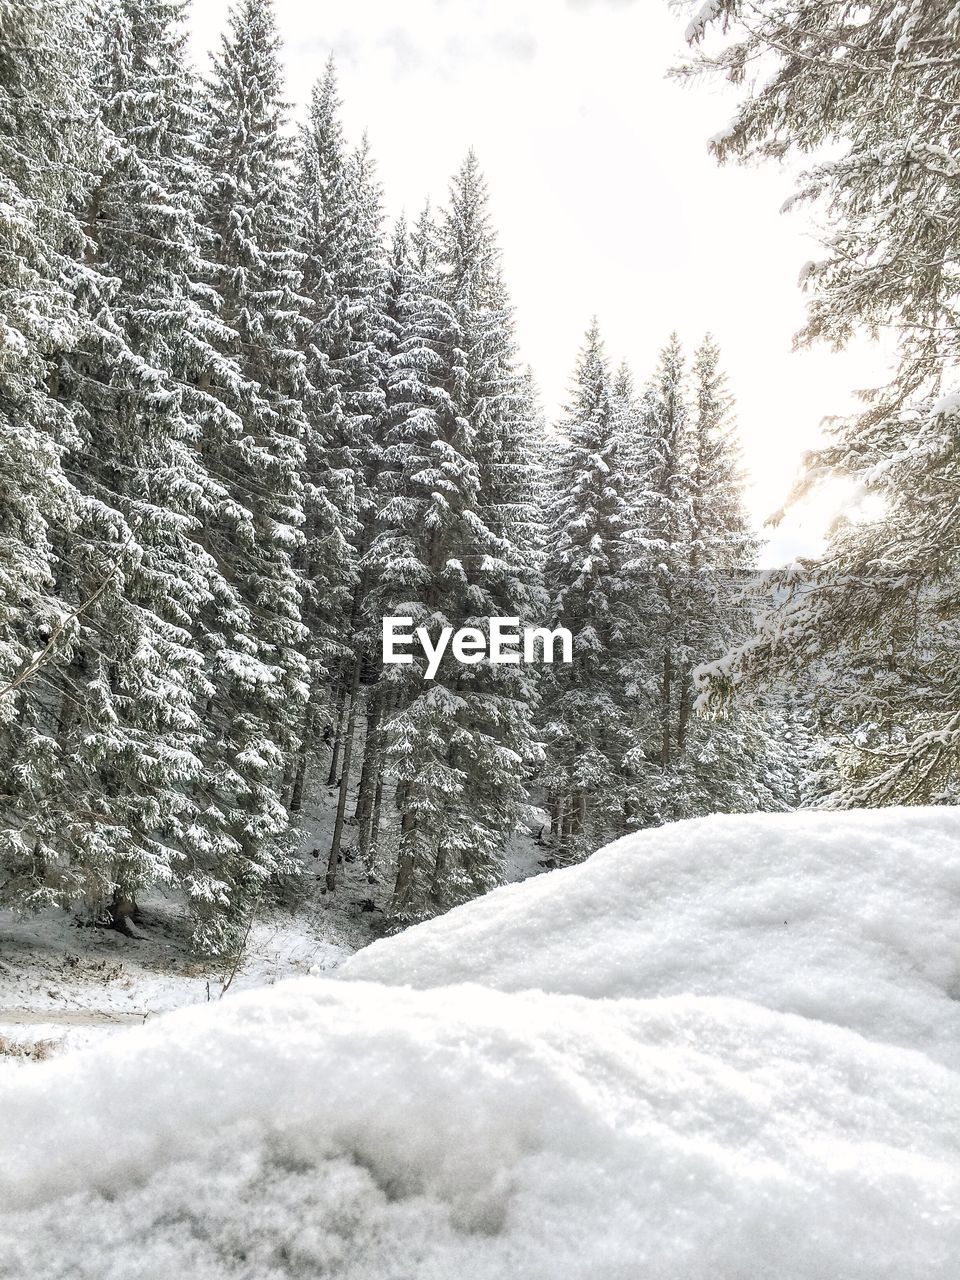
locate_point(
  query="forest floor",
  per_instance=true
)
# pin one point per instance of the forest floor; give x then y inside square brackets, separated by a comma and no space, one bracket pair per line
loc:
[65,983]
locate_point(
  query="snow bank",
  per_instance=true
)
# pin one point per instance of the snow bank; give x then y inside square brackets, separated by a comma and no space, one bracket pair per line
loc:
[359,1130]
[356,1131]
[848,918]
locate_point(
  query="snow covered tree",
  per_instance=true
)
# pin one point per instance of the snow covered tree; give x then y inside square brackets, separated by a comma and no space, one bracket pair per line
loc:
[872,627]
[143,787]
[753,758]
[450,551]
[327,561]
[661,540]
[585,716]
[133,730]
[407,364]
[419,492]
[44,68]
[117,721]
[253,228]
[39,118]
[691,582]
[721,549]
[344,281]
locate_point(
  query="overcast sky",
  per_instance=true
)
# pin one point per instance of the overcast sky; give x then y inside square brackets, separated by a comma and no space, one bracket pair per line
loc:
[603,191]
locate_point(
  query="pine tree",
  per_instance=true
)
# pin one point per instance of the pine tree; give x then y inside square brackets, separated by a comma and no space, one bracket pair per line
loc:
[661,544]
[420,492]
[589,520]
[344,282]
[499,573]
[137,711]
[750,759]
[409,365]
[691,572]
[44,69]
[720,550]
[142,789]
[38,123]
[120,713]
[262,677]
[327,561]
[450,552]
[871,629]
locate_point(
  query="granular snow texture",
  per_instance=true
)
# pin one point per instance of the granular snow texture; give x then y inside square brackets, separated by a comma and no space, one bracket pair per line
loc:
[848,918]
[663,1113]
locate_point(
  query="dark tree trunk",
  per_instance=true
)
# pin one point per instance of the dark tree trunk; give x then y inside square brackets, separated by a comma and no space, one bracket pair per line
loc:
[335,844]
[406,861]
[665,693]
[338,711]
[686,708]
[371,753]
[303,755]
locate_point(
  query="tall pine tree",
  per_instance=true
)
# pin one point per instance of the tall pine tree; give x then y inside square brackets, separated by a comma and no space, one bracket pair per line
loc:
[585,713]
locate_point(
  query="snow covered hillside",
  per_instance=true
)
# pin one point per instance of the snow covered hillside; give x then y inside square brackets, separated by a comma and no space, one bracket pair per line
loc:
[660,1109]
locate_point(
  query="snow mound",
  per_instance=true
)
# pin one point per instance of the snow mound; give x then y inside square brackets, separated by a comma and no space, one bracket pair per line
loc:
[351,1130]
[672,1103]
[848,918]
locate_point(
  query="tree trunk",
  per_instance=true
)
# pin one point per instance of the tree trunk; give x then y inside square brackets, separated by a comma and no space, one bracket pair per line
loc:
[121,911]
[368,770]
[566,830]
[686,708]
[338,710]
[300,775]
[353,698]
[665,706]
[406,862]
[555,811]
[373,831]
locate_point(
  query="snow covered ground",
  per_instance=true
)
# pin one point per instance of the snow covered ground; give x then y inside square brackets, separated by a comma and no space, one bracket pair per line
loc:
[726,1050]
[64,986]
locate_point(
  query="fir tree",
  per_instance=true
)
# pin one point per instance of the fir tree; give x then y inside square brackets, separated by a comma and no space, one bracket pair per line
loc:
[262,677]
[872,627]
[327,561]
[661,541]
[44,72]
[123,714]
[590,518]
[451,542]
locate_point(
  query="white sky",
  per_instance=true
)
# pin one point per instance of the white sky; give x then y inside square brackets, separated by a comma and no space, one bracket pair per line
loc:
[603,193]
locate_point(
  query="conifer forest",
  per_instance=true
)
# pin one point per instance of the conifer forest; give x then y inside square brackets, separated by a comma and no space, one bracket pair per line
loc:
[245,417]
[479,639]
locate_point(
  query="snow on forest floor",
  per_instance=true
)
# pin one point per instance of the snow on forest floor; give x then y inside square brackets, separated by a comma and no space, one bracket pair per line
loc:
[65,984]
[724,1050]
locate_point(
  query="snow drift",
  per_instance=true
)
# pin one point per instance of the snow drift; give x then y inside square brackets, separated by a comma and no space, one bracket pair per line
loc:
[849,918]
[365,1131]
[352,1130]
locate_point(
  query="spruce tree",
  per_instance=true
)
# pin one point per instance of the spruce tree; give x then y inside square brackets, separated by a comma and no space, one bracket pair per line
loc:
[870,629]
[452,553]
[691,570]
[122,710]
[327,561]
[262,676]
[585,712]
[44,121]
[661,543]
